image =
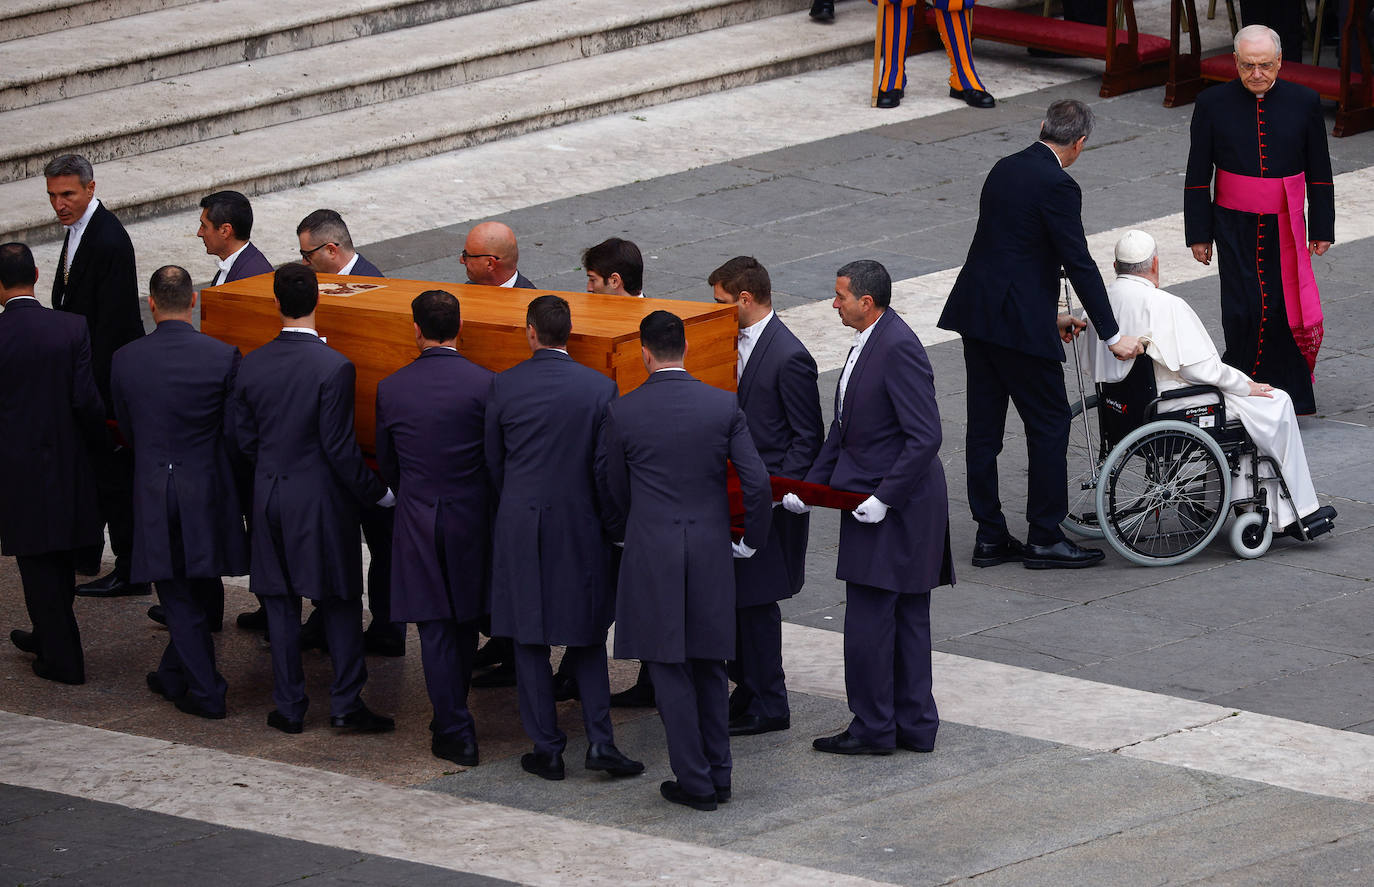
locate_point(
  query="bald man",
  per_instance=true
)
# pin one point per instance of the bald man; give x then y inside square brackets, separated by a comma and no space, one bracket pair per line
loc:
[491,255]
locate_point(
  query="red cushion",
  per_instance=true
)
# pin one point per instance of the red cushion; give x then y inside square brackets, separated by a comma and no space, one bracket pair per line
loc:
[1074,38]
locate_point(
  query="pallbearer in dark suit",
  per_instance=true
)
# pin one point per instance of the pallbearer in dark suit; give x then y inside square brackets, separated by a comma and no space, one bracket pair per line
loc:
[665,447]
[491,256]
[551,581]
[96,279]
[894,548]
[52,418]
[226,223]
[777,392]
[1004,304]
[170,389]
[429,446]
[293,414]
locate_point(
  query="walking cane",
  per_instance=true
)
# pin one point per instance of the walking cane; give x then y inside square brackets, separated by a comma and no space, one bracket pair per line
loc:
[1078,374]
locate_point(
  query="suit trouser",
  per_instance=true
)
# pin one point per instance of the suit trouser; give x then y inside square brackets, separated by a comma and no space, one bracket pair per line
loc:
[378,525]
[49,582]
[447,650]
[757,666]
[539,712]
[887,666]
[190,605]
[1035,385]
[114,481]
[694,701]
[343,628]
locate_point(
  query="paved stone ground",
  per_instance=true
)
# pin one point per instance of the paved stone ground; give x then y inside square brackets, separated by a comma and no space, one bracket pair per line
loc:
[1288,635]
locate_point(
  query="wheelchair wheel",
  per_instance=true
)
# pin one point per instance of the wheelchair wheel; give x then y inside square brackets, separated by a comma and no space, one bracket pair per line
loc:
[1085,463]
[1163,493]
[1251,535]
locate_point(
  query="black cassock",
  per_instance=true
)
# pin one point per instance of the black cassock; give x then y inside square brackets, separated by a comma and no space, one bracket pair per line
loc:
[1281,134]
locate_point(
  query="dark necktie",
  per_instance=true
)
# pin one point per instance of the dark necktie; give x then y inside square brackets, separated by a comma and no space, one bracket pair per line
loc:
[62,264]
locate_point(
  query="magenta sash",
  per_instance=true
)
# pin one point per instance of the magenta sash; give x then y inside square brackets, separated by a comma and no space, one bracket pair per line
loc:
[1283,197]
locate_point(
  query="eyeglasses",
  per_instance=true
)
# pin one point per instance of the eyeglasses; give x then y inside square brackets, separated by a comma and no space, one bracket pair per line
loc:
[465,255]
[1251,67]
[307,253]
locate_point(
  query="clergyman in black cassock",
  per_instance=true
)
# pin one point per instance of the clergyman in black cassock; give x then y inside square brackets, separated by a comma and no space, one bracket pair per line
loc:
[170,389]
[665,447]
[1262,135]
[429,447]
[551,578]
[52,418]
[293,416]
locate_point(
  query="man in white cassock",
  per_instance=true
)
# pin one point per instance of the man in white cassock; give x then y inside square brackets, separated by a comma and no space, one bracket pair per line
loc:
[1183,355]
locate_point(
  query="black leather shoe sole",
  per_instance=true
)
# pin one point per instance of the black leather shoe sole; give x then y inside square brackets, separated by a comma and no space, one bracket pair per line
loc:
[1055,563]
[185,704]
[974,98]
[753,725]
[847,745]
[463,754]
[24,640]
[989,555]
[671,791]
[551,769]
[911,746]
[279,721]
[621,767]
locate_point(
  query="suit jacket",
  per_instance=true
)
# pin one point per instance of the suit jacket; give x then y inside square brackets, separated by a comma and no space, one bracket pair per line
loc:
[250,263]
[522,282]
[170,390]
[778,395]
[886,442]
[364,268]
[429,448]
[102,286]
[52,416]
[293,418]
[665,446]
[1029,226]
[551,581]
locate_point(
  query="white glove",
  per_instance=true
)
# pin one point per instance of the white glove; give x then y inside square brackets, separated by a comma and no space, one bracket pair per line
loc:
[739,549]
[870,511]
[793,503]
[387,501]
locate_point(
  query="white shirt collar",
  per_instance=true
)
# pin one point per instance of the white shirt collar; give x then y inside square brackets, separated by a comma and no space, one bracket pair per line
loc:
[79,226]
[226,264]
[17,298]
[302,329]
[513,278]
[348,268]
[1054,152]
[755,329]
[671,370]
[861,338]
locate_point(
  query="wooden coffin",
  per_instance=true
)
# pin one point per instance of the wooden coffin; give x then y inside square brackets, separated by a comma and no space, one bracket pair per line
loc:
[374,329]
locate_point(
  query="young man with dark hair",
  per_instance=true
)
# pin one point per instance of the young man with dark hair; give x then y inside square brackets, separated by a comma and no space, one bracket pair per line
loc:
[226,224]
[293,413]
[615,268]
[664,447]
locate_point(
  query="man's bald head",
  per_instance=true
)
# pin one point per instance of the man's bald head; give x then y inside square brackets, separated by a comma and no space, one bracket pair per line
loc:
[490,254]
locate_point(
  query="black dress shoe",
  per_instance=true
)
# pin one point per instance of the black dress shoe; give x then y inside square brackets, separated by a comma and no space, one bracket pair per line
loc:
[974,98]
[1062,555]
[990,554]
[502,675]
[48,673]
[671,791]
[281,722]
[844,744]
[158,686]
[610,759]
[1318,523]
[191,707]
[382,643]
[722,794]
[363,720]
[112,585]
[24,640]
[254,620]
[564,688]
[460,751]
[641,695]
[548,767]
[494,652]
[915,746]
[889,98]
[752,725]
[823,11]
[157,614]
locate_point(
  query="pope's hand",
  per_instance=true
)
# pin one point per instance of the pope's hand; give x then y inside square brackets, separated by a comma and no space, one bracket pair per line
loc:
[871,511]
[793,503]
[739,549]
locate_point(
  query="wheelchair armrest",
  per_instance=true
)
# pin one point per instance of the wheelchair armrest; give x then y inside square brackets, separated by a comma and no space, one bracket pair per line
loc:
[1176,393]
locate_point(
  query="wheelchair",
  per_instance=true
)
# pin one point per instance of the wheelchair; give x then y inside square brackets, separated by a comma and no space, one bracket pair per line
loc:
[1153,478]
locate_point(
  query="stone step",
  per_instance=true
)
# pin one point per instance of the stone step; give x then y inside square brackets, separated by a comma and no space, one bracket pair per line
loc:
[196,106]
[26,18]
[320,148]
[196,37]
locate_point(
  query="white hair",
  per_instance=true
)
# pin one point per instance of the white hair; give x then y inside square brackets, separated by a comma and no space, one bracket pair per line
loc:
[1255,32]
[1136,268]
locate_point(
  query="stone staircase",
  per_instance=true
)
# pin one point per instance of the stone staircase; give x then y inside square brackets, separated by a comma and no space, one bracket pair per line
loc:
[174,99]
